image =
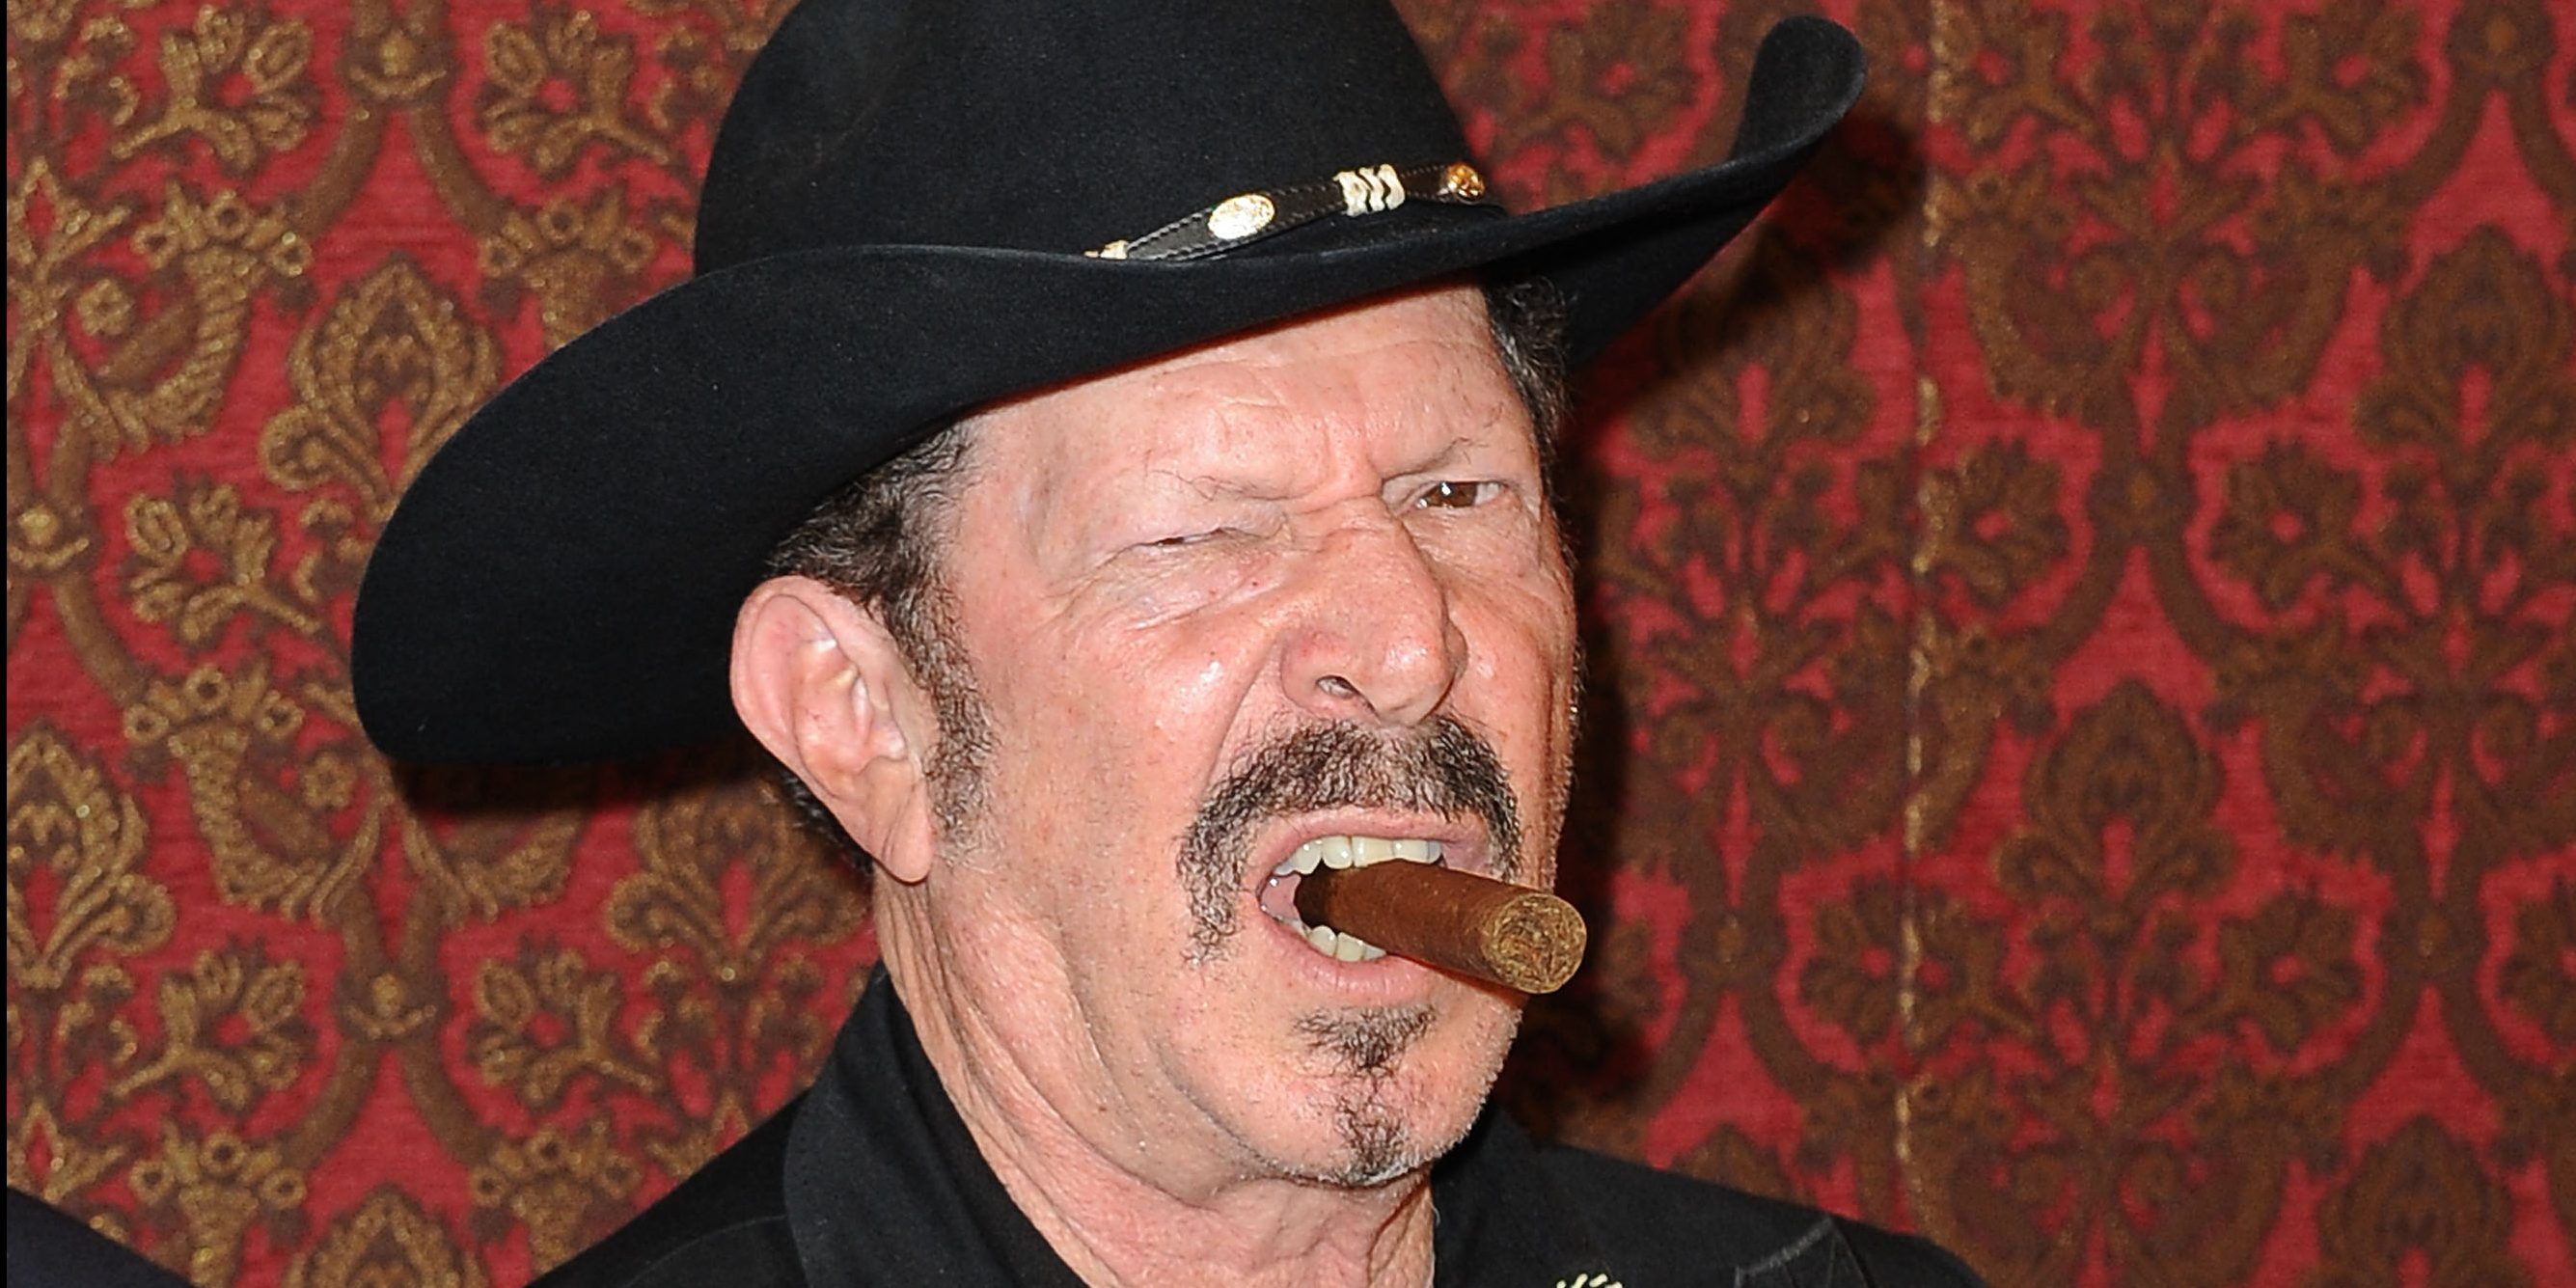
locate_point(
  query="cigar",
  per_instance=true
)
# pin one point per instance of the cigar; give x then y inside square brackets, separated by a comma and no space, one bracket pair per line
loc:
[1491,930]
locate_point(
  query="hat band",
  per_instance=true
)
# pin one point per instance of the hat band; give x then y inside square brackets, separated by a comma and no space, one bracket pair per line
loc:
[1249,217]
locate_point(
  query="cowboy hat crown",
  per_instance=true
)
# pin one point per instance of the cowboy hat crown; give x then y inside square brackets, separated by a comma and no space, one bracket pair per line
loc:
[1042,125]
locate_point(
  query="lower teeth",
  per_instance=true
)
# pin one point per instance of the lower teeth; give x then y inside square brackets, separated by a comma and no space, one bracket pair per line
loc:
[1341,947]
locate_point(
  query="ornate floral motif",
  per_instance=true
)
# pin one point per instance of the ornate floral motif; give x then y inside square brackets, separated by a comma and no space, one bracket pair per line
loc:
[2116,1142]
[2162,237]
[732,879]
[385,1242]
[53,230]
[1852,980]
[233,1025]
[50,1162]
[2479,368]
[1885,958]
[2129,762]
[2288,969]
[86,839]
[1749,535]
[1992,522]
[2539,974]
[2475,407]
[216,255]
[2419,1209]
[1615,77]
[396,57]
[269,55]
[484,862]
[2287,525]
[392,349]
[579,263]
[558,85]
[232,736]
[199,559]
[732,902]
[702,66]
[2347,69]
[547,1019]
[218,1186]
[558,1186]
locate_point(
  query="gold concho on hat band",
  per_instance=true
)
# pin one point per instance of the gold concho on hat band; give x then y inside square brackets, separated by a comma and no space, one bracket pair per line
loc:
[1236,218]
[1249,216]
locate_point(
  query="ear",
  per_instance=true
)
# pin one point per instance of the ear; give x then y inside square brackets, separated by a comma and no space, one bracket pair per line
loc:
[822,685]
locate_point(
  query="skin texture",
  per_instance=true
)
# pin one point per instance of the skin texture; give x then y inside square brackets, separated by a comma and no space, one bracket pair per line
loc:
[1175,584]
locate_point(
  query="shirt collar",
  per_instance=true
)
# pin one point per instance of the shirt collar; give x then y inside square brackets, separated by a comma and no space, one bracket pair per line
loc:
[885,1185]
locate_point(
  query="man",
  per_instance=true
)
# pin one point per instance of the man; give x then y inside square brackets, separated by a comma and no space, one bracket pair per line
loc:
[1098,597]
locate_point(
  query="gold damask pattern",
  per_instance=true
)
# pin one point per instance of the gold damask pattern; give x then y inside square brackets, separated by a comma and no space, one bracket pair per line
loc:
[2085,755]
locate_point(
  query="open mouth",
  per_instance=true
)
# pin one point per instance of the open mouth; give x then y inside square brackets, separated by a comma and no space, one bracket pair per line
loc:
[1279,895]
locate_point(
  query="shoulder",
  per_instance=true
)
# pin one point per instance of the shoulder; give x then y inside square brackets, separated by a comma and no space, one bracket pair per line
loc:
[727,1223]
[50,1249]
[1663,1227]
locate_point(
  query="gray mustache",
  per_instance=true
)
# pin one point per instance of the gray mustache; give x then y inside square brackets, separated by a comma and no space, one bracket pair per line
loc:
[1448,770]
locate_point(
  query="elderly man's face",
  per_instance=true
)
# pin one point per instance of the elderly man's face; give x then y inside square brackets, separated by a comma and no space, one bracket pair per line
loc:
[1299,585]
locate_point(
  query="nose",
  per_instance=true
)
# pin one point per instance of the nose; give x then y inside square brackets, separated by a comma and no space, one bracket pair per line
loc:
[1374,640]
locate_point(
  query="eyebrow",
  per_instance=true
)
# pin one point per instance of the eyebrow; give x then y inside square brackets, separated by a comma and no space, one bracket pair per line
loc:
[1212,486]
[1207,486]
[1457,447]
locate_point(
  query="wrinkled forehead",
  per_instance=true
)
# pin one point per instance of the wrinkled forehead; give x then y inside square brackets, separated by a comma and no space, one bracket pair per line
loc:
[1389,385]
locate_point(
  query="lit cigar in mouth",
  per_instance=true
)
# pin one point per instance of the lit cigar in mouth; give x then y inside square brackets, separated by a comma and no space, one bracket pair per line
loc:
[1475,926]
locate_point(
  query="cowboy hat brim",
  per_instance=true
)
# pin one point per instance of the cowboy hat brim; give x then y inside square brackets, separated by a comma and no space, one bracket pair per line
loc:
[559,583]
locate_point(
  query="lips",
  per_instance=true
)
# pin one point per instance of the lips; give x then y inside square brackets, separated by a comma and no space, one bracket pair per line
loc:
[1278,895]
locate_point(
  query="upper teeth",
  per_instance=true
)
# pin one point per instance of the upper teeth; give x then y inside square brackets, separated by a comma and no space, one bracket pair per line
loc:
[1349,852]
[1356,852]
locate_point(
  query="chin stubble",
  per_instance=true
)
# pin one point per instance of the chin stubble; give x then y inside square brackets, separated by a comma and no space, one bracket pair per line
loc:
[1366,1046]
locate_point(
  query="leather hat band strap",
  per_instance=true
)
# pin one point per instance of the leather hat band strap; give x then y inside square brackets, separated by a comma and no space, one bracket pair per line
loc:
[1249,217]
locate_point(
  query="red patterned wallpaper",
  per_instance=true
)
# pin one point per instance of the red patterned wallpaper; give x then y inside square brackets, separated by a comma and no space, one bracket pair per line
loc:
[2084,751]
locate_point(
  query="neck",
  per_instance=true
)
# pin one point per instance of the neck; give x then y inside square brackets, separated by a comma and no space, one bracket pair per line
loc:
[1139,1216]
[1114,1230]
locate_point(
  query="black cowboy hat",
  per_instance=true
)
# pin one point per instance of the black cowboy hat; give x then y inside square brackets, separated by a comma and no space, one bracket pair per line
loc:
[915,207]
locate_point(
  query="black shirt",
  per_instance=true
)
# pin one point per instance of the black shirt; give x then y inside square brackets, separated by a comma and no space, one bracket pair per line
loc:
[49,1249]
[870,1177]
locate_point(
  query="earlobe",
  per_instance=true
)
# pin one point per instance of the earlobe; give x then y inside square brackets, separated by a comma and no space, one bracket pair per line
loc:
[823,686]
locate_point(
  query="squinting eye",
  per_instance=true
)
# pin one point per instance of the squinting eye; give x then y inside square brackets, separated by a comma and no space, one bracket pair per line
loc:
[1187,539]
[1453,495]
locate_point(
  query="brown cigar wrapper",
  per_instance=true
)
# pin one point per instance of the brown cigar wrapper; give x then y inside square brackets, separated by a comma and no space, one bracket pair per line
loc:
[1476,926]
